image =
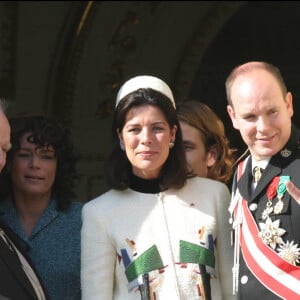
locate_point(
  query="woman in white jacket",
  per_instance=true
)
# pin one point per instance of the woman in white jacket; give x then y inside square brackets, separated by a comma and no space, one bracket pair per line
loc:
[157,234]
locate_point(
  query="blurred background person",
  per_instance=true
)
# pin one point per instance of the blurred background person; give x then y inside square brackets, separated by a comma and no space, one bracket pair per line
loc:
[18,278]
[137,237]
[206,146]
[36,198]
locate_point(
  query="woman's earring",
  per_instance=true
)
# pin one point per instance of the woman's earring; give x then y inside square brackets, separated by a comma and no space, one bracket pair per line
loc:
[122,146]
[171,144]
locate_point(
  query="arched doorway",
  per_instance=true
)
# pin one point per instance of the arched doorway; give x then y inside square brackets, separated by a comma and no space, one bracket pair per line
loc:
[258,31]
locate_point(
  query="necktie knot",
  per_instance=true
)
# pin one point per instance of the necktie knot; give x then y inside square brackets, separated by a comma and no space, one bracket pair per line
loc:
[257,172]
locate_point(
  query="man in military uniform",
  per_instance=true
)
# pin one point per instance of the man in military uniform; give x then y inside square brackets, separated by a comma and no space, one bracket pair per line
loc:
[265,217]
[18,279]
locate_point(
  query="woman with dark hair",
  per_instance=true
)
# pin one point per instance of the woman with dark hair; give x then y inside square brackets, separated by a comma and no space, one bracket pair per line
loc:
[18,278]
[206,146]
[173,171]
[153,234]
[36,198]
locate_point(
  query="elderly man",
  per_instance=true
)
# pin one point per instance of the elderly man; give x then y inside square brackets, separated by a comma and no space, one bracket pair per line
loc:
[18,279]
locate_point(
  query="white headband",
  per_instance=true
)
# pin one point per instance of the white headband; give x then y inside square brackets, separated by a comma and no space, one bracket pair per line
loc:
[145,81]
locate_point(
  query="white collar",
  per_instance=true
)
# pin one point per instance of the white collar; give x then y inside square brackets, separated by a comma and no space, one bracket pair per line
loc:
[262,163]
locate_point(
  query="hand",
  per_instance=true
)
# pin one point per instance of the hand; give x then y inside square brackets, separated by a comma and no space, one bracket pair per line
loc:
[293,191]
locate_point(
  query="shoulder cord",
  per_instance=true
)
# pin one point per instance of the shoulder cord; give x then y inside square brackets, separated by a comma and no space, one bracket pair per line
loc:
[235,210]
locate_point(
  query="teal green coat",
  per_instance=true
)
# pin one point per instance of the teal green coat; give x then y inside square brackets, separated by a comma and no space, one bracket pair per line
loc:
[53,246]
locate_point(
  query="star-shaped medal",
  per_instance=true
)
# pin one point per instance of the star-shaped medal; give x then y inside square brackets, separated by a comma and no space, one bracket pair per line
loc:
[271,233]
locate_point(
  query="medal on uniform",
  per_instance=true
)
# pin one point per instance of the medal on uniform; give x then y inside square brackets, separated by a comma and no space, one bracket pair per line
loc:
[271,233]
[281,189]
[290,252]
[267,211]
[271,193]
[278,207]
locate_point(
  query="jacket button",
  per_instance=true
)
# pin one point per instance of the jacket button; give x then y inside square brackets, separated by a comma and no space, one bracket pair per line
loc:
[244,279]
[253,206]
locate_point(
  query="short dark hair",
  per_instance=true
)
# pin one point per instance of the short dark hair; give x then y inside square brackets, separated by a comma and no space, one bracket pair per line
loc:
[118,167]
[45,131]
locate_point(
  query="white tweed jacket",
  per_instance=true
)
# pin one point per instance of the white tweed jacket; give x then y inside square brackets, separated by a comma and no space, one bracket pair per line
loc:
[128,228]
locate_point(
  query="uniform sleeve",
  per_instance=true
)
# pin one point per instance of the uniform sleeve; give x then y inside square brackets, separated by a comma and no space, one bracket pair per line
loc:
[224,249]
[97,255]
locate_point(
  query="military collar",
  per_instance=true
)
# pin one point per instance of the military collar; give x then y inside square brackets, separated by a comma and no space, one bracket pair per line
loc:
[288,152]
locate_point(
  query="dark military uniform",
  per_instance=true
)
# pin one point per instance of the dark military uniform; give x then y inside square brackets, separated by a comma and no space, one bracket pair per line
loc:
[14,283]
[286,162]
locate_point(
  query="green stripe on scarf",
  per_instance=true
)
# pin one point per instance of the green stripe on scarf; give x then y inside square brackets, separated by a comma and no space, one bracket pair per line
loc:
[192,253]
[148,261]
